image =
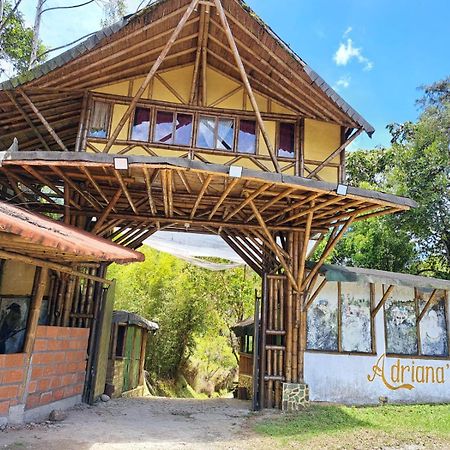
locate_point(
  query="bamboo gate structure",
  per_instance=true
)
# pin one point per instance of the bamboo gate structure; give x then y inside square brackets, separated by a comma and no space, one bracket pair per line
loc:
[268,217]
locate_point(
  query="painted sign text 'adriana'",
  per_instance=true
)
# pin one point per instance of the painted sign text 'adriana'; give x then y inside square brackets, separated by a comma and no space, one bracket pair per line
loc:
[407,376]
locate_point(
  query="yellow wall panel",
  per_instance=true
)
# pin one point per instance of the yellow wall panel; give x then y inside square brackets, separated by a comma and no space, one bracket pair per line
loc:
[321,139]
[118,113]
[260,100]
[271,128]
[218,85]
[114,89]
[279,109]
[233,101]
[180,80]
[137,83]
[169,153]
[329,174]
[160,92]
[17,278]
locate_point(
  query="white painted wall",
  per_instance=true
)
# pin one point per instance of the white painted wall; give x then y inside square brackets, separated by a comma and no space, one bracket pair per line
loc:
[343,378]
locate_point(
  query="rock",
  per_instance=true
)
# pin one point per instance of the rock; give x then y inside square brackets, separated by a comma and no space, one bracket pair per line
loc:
[105,398]
[57,415]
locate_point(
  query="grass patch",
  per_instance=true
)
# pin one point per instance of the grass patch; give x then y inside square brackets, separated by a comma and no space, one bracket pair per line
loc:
[323,421]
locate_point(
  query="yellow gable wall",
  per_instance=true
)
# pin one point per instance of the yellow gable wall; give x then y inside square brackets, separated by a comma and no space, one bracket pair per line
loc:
[17,278]
[321,138]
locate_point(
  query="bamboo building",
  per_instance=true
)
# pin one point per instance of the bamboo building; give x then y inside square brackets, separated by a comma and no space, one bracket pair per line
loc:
[193,116]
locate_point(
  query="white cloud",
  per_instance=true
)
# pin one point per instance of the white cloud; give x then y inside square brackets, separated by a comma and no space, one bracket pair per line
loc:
[342,83]
[347,51]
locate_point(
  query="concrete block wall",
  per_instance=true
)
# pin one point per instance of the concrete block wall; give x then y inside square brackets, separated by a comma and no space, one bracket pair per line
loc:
[12,375]
[58,365]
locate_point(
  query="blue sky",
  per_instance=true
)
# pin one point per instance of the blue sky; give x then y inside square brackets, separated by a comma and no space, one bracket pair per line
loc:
[374,52]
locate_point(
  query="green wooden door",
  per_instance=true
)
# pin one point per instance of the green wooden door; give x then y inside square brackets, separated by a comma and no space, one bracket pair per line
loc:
[127,358]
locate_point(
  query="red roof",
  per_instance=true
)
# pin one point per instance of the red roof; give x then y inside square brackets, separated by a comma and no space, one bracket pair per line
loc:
[67,241]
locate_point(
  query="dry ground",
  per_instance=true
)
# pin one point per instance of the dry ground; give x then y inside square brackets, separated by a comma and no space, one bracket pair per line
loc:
[158,423]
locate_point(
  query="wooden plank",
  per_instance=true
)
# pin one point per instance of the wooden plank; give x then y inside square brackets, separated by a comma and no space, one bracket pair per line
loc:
[107,211]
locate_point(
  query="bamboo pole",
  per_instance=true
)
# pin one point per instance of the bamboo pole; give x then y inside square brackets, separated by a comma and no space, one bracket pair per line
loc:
[151,74]
[243,73]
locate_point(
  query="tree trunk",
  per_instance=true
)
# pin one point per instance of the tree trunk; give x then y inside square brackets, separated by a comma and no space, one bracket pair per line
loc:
[37,25]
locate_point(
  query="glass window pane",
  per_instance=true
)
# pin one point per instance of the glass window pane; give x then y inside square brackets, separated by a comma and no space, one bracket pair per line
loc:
[163,127]
[247,136]
[225,136]
[356,323]
[141,125]
[99,120]
[183,129]
[322,322]
[433,326]
[206,132]
[286,140]
[401,325]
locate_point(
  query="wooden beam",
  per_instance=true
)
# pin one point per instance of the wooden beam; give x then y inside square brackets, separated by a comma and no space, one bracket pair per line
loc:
[427,306]
[200,195]
[383,300]
[306,237]
[240,64]
[148,185]
[49,265]
[107,211]
[316,293]
[47,126]
[330,246]
[224,195]
[272,202]
[125,190]
[74,186]
[295,205]
[274,247]
[247,201]
[170,88]
[27,120]
[94,183]
[335,153]
[151,74]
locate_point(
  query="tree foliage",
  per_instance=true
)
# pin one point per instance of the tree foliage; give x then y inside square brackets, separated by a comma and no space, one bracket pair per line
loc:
[195,308]
[15,41]
[417,165]
[113,11]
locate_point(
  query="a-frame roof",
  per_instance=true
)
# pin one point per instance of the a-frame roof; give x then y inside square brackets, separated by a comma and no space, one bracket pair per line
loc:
[128,49]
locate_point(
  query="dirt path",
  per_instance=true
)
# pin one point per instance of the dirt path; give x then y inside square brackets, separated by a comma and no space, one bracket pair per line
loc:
[142,423]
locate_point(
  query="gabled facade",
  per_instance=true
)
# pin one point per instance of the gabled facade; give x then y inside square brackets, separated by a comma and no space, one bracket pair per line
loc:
[200,104]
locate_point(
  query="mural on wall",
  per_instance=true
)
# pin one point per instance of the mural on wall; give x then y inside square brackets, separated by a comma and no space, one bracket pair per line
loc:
[322,323]
[401,325]
[433,326]
[356,322]
[13,323]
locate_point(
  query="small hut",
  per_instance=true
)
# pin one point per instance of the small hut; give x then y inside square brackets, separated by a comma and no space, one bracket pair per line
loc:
[129,335]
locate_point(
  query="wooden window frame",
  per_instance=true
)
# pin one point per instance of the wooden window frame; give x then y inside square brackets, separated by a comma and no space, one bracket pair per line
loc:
[174,128]
[92,102]
[196,112]
[419,354]
[292,158]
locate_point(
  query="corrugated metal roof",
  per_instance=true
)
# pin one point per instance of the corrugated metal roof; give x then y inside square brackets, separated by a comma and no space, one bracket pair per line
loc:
[98,36]
[49,234]
[121,316]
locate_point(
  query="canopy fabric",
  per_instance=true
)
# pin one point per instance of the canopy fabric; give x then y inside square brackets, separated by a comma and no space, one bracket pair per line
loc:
[191,247]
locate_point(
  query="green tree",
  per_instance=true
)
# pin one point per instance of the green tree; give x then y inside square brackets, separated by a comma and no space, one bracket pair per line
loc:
[417,165]
[15,41]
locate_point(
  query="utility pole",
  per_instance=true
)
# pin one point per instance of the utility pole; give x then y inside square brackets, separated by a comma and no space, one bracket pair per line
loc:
[37,25]
[2,7]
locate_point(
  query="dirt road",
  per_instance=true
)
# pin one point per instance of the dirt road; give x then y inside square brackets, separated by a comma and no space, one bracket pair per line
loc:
[142,423]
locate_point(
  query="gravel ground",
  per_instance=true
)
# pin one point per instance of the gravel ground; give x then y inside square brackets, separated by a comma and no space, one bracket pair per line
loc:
[161,423]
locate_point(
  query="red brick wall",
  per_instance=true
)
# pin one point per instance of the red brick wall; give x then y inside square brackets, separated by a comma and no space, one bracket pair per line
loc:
[58,365]
[12,373]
